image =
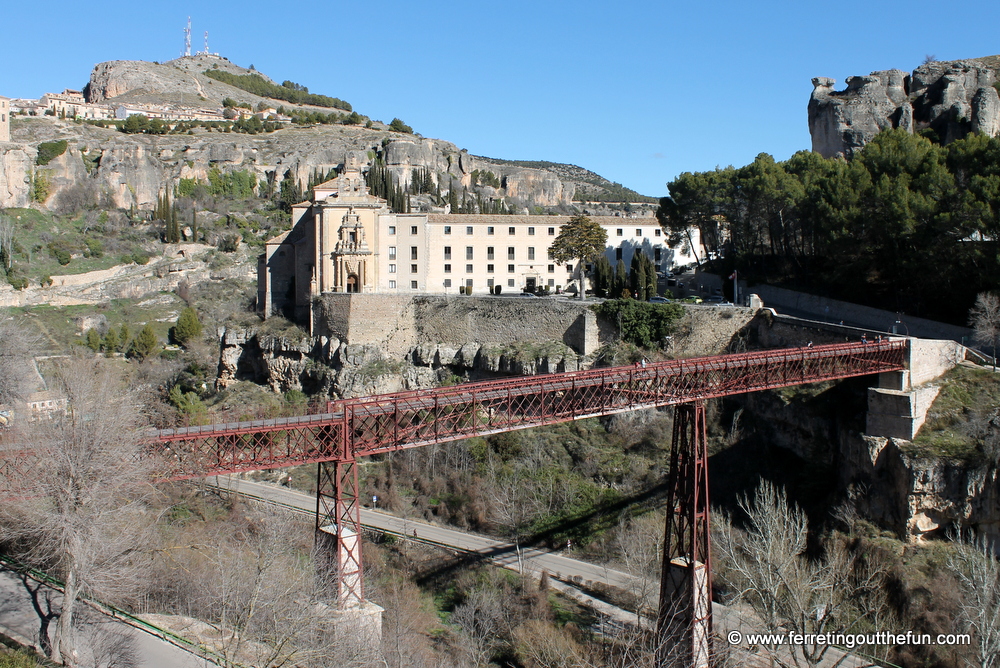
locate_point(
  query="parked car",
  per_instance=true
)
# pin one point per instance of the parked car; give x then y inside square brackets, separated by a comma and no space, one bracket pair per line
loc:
[693,299]
[714,299]
[659,300]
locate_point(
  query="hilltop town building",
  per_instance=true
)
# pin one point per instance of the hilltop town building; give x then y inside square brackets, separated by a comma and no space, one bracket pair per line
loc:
[347,240]
[4,118]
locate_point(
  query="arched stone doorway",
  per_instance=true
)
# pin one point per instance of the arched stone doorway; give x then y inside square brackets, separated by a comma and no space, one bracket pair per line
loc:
[353,284]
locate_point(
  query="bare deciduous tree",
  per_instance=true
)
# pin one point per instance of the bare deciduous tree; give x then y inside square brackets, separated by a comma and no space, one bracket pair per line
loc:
[257,589]
[978,571]
[768,568]
[6,242]
[17,368]
[84,516]
[984,317]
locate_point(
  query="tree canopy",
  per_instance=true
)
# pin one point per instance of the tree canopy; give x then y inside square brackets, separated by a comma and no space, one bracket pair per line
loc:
[906,224]
[580,239]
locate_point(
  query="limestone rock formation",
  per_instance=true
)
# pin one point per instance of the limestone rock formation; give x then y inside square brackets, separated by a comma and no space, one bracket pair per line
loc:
[951,98]
[15,175]
[842,122]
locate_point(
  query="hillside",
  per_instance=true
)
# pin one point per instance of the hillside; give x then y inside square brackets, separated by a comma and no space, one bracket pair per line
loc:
[182,84]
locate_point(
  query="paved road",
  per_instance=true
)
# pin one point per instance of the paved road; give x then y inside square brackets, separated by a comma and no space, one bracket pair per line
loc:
[19,619]
[498,551]
[504,553]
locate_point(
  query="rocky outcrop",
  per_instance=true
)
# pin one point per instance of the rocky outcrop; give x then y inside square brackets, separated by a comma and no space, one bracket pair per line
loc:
[133,170]
[921,497]
[340,369]
[951,98]
[842,122]
[15,175]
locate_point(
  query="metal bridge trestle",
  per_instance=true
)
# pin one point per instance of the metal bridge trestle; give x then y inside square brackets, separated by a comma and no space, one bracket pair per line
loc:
[684,617]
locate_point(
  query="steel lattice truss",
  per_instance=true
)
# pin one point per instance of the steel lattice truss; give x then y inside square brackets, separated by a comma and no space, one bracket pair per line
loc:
[357,427]
[383,423]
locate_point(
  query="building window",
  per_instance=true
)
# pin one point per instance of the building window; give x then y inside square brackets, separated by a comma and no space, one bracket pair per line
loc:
[392,269]
[413,268]
[413,285]
[552,269]
[569,269]
[447,282]
[489,253]
[531,252]
[468,282]
[618,232]
[392,285]
[447,229]
[510,231]
[392,252]
[552,231]
[552,282]
[657,232]
[489,230]
[510,269]
[489,282]
[531,231]
[468,230]
[392,229]
[447,269]
[468,252]
[510,252]
[413,252]
[413,229]
[489,269]
[618,254]
[656,254]
[447,252]
[468,268]
[510,282]
[638,232]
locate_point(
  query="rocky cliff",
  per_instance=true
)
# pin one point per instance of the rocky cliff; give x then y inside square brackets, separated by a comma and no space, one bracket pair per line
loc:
[132,170]
[950,98]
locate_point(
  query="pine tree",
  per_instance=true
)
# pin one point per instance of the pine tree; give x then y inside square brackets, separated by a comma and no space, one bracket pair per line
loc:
[110,342]
[188,326]
[124,337]
[92,340]
[145,343]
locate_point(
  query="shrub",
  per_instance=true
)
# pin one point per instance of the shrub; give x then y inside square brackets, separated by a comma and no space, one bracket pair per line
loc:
[145,343]
[49,150]
[94,247]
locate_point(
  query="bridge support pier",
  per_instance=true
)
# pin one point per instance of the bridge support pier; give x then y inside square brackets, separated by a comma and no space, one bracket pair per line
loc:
[338,529]
[684,618]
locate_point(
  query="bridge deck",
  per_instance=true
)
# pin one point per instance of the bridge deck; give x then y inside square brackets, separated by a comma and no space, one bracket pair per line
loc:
[382,423]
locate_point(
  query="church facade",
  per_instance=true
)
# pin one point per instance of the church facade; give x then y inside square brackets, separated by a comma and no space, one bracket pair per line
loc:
[346,240]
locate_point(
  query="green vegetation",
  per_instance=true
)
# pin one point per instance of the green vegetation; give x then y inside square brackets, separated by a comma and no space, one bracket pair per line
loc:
[959,422]
[288,91]
[145,343]
[641,323]
[869,230]
[49,150]
[19,659]
[232,185]
[399,126]
[580,239]
[188,327]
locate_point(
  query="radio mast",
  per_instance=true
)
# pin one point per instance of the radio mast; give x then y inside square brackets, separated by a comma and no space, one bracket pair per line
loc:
[187,38]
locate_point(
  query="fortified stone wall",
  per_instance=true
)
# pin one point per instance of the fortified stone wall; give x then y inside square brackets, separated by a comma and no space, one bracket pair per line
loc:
[399,323]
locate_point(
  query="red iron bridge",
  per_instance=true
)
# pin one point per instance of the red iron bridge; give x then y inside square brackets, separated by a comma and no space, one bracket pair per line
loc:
[354,428]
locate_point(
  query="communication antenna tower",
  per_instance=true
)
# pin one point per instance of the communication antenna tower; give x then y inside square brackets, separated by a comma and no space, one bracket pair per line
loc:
[206,42]
[187,38]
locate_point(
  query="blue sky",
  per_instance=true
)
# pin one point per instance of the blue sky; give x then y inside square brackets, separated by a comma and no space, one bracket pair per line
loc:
[635,91]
